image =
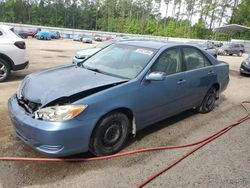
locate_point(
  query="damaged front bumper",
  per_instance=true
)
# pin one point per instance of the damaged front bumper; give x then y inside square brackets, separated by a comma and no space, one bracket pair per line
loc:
[52,138]
[244,69]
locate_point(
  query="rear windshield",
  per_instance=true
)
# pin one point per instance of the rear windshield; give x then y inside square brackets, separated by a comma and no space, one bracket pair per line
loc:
[13,31]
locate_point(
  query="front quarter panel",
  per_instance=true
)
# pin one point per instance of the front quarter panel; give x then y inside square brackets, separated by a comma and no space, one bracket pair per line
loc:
[103,102]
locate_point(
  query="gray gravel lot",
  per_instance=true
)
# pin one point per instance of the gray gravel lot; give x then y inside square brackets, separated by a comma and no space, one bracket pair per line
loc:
[222,163]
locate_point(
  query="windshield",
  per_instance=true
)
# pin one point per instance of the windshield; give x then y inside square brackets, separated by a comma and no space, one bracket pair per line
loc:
[120,60]
[13,31]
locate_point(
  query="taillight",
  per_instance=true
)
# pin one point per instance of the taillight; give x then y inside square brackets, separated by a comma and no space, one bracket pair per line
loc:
[20,44]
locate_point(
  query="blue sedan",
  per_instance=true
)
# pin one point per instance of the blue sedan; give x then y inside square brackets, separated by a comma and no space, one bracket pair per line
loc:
[116,92]
[43,35]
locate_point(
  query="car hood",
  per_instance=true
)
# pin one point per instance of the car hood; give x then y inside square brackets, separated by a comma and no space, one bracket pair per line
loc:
[87,52]
[46,86]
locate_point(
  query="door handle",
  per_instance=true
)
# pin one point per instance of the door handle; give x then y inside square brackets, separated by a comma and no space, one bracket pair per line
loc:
[211,72]
[181,81]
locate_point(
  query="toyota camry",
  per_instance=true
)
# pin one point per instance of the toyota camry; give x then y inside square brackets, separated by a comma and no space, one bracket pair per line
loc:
[125,87]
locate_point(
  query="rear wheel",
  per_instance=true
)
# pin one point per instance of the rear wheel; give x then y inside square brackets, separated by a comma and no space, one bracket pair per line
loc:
[208,102]
[240,53]
[4,70]
[110,134]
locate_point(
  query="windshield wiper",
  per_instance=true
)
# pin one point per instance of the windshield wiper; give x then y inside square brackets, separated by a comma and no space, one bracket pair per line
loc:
[102,72]
[94,69]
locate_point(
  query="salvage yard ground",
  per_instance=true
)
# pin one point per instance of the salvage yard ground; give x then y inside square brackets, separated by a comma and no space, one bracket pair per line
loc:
[222,163]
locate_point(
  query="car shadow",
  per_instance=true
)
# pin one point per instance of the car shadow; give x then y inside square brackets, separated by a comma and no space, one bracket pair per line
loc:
[16,77]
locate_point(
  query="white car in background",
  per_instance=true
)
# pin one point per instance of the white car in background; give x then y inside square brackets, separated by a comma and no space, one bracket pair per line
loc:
[12,52]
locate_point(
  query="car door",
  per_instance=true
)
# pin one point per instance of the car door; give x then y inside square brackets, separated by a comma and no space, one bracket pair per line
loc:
[236,48]
[200,75]
[161,99]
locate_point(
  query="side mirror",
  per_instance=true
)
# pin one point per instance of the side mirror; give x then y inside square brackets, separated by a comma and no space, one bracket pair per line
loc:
[78,64]
[156,76]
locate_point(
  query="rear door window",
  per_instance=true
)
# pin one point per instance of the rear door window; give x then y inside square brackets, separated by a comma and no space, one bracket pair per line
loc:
[194,59]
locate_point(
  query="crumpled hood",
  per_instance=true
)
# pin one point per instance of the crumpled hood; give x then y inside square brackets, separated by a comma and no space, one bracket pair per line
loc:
[46,86]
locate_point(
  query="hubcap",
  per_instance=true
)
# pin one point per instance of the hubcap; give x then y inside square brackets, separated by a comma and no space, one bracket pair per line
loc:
[210,101]
[112,134]
[3,71]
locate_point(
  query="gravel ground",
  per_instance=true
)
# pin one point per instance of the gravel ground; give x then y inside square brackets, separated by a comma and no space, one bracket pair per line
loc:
[222,163]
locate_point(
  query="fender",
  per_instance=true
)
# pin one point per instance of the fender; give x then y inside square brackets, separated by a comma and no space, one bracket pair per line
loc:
[8,60]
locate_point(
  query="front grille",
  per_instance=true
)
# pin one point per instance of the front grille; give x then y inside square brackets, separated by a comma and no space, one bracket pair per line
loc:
[29,106]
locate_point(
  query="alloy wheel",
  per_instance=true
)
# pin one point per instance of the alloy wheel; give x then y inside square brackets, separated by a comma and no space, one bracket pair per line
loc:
[3,71]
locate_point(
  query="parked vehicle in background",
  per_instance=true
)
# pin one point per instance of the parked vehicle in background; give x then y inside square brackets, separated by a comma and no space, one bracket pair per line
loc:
[210,48]
[109,37]
[119,36]
[55,35]
[85,53]
[43,35]
[23,34]
[207,46]
[77,37]
[232,48]
[86,39]
[118,91]
[98,38]
[33,32]
[12,52]
[245,66]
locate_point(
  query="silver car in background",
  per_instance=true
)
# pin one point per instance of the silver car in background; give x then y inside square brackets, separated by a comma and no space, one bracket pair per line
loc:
[86,39]
[85,53]
[207,46]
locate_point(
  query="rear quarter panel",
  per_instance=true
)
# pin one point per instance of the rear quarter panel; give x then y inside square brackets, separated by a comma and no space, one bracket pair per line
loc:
[222,71]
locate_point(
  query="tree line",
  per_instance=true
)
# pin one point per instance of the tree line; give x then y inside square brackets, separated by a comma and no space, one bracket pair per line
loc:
[131,16]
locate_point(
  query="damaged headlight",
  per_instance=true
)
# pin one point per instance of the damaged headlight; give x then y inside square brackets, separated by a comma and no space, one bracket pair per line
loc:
[59,113]
[246,62]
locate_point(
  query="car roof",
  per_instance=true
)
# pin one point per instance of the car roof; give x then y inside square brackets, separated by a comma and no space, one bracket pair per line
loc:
[5,26]
[152,44]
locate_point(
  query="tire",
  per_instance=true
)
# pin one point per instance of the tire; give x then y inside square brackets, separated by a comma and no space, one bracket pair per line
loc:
[4,70]
[110,134]
[208,102]
[240,53]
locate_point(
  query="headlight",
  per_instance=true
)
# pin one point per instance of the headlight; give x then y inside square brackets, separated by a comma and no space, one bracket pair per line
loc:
[19,91]
[246,62]
[59,113]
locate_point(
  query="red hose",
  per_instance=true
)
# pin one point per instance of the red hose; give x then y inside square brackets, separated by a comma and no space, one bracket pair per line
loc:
[216,135]
[198,144]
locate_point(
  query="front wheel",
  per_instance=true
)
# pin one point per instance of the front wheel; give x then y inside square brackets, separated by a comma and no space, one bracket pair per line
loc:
[240,53]
[110,134]
[208,102]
